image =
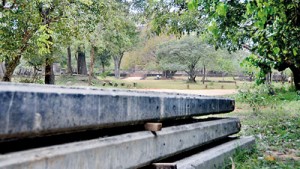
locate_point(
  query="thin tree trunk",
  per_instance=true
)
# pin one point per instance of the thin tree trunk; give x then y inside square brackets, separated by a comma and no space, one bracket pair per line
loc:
[268,78]
[49,74]
[164,74]
[69,63]
[282,77]
[204,74]
[10,68]
[117,68]
[91,73]
[117,63]
[2,69]
[103,67]
[296,74]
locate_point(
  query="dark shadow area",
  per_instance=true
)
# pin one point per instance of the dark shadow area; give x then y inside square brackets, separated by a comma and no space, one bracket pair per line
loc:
[14,145]
[190,152]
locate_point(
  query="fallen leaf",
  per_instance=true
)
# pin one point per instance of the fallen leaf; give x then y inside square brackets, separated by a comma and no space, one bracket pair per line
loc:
[270,158]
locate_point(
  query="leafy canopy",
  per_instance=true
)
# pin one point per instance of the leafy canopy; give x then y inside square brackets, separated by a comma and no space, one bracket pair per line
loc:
[269,29]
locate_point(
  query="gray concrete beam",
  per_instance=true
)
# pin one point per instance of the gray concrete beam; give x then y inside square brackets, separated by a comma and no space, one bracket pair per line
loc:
[28,110]
[130,150]
[216,157]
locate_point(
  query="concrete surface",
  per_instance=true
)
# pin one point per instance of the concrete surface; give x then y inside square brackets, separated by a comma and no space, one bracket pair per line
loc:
[28,109]
[215,157]
[130,150]
[205,92]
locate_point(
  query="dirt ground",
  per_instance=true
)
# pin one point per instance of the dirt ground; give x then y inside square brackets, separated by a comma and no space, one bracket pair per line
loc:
[132,78]
[211,92]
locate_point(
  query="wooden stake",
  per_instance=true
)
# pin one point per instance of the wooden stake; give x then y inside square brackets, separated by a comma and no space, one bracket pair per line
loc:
[153,126]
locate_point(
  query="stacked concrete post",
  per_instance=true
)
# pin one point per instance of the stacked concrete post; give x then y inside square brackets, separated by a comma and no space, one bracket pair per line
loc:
[36,111]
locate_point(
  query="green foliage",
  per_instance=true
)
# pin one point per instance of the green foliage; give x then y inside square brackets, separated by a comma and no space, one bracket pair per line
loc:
[263,64]
[256,97]
[119,34]
[144,55]
[37,80]
[104,74]
[181,54]
[276,130]
[269,29]
[188,54]
[191,54]
[173,18]
[260,96]
[103,56]
[37,29]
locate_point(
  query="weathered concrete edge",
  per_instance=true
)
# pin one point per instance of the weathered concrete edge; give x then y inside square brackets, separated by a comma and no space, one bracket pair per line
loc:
[124,151]
[27,111]
[9,86]
[216,156]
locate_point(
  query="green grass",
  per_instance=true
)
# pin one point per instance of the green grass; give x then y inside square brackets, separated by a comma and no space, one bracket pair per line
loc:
[179,83]
[149,83]
[276,129]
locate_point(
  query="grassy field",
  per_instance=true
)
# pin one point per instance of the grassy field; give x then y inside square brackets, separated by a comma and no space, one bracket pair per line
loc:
[149,83]
[276,127]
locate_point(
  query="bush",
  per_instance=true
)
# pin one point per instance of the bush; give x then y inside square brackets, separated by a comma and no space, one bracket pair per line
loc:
[256,97]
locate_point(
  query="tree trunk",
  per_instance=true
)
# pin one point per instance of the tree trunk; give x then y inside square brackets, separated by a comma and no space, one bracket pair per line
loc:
[81,62]
[2,69]
[192,79]
[296,74]
[192,75]
[117,64]
[269,78]
[49,74]
[69,62]
[103,67]
[204,74]
[91,73]
[10,68]
[168,74]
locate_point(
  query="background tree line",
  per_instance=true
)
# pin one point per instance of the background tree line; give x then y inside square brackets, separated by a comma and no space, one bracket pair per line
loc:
[163,35]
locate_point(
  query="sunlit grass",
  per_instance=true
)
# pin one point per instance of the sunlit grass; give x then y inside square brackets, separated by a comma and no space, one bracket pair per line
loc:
[179,83]
[276,129]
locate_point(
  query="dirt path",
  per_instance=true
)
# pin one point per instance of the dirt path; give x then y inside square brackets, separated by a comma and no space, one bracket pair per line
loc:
[132,78]
[211,92]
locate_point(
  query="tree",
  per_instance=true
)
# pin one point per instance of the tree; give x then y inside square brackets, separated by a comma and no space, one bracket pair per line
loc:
[172,17]
[104,57]
[144,54]
[17,23]
[119,35]
[36,25]
[188,54]
[270,29]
